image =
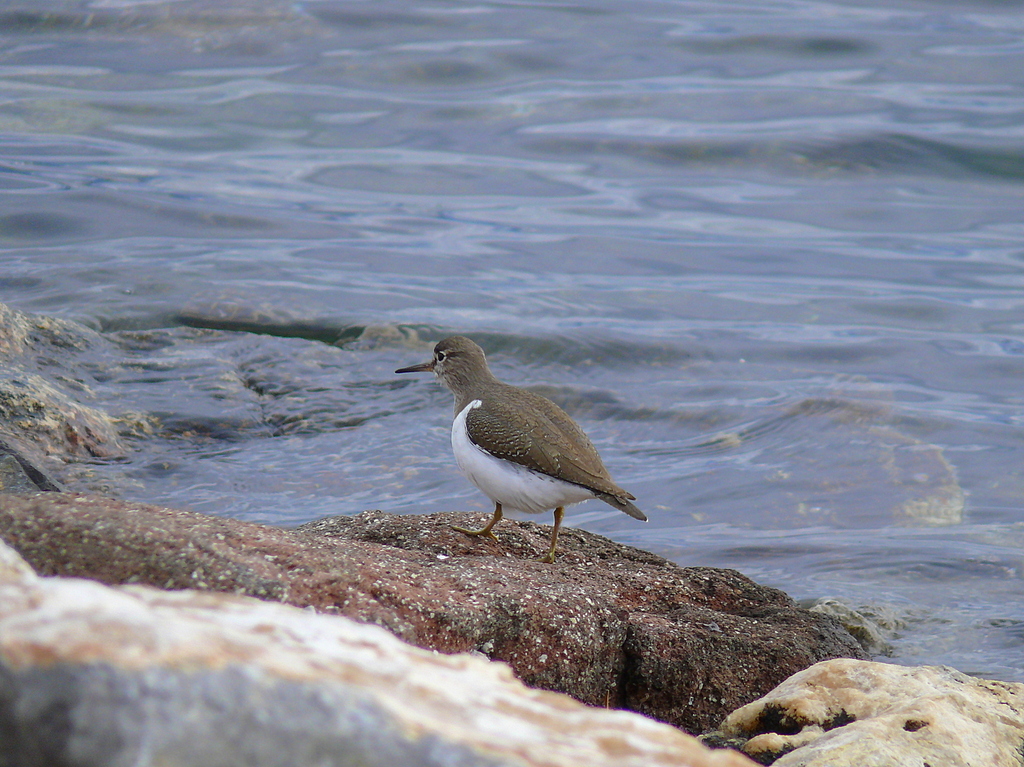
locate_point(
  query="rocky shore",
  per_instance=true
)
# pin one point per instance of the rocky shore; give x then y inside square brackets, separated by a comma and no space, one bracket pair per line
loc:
[96,676]
[132,634]
[609,625]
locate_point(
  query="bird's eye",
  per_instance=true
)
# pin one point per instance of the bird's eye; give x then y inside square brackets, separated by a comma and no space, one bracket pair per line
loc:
[440,356]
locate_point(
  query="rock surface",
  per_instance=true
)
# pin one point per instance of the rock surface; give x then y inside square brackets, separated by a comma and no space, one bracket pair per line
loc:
[14,478]
[43,424]
[849,713]
[95,676]
[610,625]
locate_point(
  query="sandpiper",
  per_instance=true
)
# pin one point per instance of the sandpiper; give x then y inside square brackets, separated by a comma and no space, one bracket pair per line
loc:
[519,448]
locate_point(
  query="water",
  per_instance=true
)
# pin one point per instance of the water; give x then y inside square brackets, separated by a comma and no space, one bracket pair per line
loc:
[769,254]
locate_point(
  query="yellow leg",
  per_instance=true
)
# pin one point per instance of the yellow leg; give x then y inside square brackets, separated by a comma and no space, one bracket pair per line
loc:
[550,556]
[486,529]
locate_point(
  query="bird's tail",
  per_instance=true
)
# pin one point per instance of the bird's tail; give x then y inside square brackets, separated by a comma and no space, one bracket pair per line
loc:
[623,505]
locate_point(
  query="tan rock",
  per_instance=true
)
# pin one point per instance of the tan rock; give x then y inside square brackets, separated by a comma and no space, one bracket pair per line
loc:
[841,713]
[13,568]
[94,676]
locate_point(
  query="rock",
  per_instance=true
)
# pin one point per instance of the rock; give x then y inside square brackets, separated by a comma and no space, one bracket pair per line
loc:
[852,713]
[18,474]
[13,478]
[24,334]
[608,624]
[42,421]
[13,567]
[237,315]
[95,676]
[872,625]
[38,411]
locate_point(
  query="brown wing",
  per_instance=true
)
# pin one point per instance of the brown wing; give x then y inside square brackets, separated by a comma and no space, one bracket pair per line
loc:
[552,442]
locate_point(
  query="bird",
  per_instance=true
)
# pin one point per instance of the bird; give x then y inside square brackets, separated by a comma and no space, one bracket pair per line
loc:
[520,449]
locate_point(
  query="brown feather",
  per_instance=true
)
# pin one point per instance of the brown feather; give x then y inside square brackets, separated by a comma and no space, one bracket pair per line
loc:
[552,442]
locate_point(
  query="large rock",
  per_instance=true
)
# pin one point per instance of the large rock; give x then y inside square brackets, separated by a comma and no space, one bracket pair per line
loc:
[608,624]
[849,713]
[94,676]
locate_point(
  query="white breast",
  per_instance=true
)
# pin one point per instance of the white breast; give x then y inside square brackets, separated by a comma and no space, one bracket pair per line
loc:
[513,486]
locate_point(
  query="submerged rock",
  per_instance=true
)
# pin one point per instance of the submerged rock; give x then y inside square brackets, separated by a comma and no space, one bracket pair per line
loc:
[608,624]
[233,315]
[94,676]
[850,713]
[872,625]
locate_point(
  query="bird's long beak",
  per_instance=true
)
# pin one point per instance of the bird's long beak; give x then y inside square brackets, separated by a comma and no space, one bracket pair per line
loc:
[423,367]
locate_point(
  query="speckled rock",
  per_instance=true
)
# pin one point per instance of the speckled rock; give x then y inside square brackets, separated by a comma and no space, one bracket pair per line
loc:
[97,676]
[608,624]
[849,713]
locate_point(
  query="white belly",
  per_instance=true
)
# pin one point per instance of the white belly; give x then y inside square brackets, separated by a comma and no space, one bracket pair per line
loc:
[513,486]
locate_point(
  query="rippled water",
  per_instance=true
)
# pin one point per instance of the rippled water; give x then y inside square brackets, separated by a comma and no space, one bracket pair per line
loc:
[770,254]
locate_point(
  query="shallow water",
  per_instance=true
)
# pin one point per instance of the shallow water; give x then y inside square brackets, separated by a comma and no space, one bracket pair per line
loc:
[769,254]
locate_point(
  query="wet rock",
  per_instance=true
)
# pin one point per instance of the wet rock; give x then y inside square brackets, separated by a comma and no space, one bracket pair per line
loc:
[23,334]
[19,474]
[42,421]
[850,713]
[608,624]
[94,676]
[872,625]
[38,411]
[13,478]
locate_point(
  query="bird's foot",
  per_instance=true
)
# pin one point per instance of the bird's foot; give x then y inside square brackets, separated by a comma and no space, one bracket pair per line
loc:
[484,531]
[548,559]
